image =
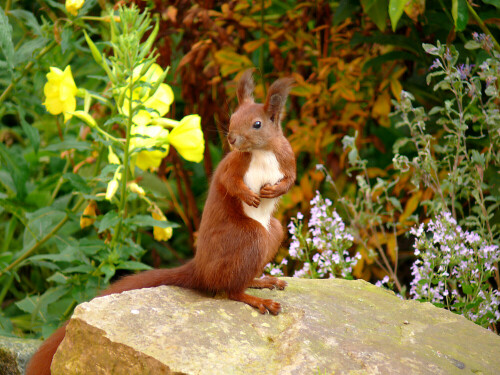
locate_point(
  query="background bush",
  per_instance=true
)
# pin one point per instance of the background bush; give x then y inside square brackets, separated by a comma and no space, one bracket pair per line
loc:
[350,60]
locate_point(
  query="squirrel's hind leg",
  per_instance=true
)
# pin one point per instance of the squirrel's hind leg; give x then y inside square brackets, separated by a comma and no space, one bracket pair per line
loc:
[264,305]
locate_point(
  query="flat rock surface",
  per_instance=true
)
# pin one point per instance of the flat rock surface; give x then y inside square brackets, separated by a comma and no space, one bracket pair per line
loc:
[326,326]
[15,353]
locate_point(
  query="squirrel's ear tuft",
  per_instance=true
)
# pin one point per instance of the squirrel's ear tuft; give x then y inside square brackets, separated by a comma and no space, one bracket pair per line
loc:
[276,98]
[245,87]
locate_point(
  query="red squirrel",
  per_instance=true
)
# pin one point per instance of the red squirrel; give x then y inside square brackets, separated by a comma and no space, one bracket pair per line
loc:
[238,235]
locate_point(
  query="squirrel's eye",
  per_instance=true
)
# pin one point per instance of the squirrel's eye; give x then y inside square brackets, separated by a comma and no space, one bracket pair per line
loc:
[257,124]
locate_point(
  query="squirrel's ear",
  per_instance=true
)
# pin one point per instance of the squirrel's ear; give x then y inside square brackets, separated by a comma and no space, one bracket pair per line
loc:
[245,87]
[276,98]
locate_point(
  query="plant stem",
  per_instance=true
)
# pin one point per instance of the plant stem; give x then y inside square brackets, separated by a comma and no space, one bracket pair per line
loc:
[25,70]
[59,183]
[261,55]
[122,212]
[5,287]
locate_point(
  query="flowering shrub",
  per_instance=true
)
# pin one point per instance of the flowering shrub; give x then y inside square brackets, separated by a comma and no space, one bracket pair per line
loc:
[453,269]
[90,211]
[457,167]
[323,248]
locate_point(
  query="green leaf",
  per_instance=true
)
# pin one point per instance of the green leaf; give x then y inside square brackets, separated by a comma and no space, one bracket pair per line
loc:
[29,20]
[35,304]
[6,45]
[31,132]
[495,3]
[108,221]
[148,221]
[67,145]
[82,268]
[396,203]
[78,183]
[91,247]
[41,223]
[27,50]
[133,266]
[12,206]
[376,62]
[467,289]
[396,8]
[16,166]
[108,270]
[66,39]
[58,278]
[460,14]
[377,11]
[344,10]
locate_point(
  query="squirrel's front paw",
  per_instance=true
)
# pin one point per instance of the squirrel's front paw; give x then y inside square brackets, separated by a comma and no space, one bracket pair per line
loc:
[269,191]
[251,199]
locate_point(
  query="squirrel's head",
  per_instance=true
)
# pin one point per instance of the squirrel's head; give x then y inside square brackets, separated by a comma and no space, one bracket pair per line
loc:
[254,125]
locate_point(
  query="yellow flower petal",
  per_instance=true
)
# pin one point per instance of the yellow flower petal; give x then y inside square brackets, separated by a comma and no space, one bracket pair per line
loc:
[51,89]
[69,105]
[72,6]
[88,215]
[161,234]
[150,160]
[161,100]
[187,138]
[60,91]
[148,136]
[53,105]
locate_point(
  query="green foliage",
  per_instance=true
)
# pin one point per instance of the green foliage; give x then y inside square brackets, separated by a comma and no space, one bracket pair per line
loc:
[348,66]
[55,256]
[458,165]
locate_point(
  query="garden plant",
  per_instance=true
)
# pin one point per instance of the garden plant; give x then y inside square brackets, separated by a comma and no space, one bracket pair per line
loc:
[113,116]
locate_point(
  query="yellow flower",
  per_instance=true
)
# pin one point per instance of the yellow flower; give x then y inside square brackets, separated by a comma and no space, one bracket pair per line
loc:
[161,234]
[187,138]
[60,91]
[147,137]
[72,6]
[88,215]
[159,102]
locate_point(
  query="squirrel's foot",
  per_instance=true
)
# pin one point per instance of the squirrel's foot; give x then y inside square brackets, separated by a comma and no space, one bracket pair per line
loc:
[270,191]
[268,282]
[264,305]
[251,199]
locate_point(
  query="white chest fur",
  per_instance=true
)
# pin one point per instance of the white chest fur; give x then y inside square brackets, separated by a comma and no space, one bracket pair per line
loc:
[263,169]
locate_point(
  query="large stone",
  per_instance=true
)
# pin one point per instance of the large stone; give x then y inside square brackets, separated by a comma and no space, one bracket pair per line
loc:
[15,353]
[326,327]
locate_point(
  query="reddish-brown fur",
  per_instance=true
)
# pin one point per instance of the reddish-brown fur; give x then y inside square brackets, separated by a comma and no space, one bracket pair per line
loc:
[232,248]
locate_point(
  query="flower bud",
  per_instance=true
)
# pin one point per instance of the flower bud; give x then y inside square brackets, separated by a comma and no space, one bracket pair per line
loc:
[134,188]
[86,117]
[111,190]
[95,52]
[88,215]
[112,158]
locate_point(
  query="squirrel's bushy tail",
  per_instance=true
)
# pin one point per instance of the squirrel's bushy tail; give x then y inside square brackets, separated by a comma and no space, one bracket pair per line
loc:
[180,276]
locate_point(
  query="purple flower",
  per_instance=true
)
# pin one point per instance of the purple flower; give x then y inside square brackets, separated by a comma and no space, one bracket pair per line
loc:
[464,70]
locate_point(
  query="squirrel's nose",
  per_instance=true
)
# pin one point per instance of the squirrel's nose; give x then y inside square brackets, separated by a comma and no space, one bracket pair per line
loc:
[231,139]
